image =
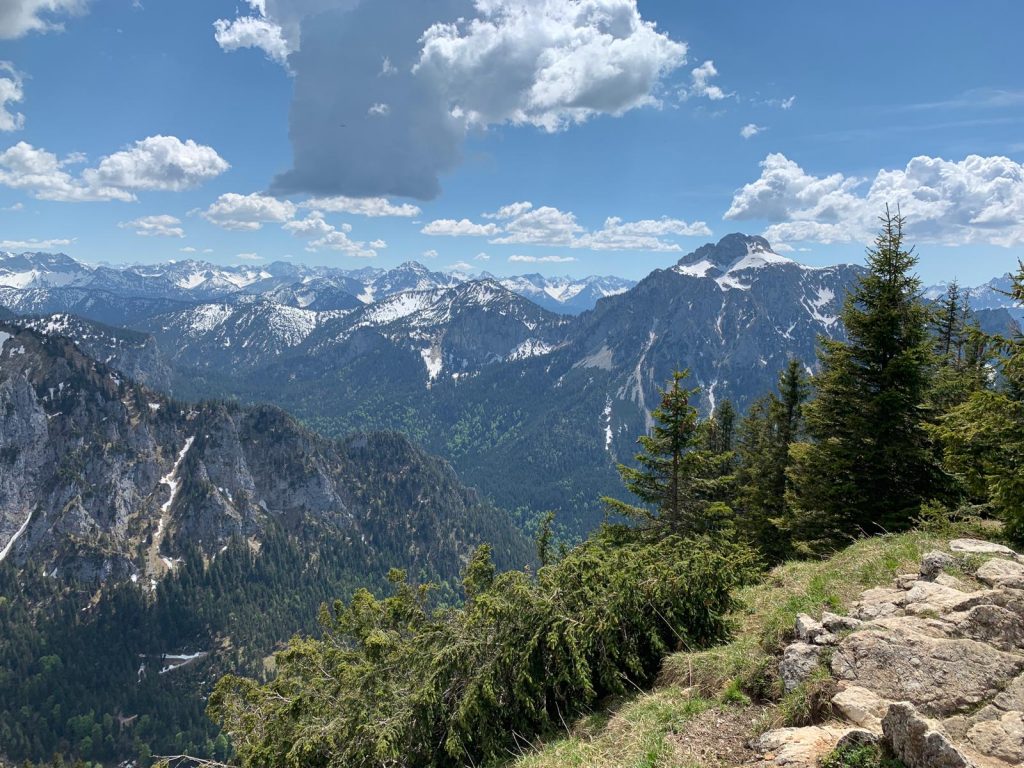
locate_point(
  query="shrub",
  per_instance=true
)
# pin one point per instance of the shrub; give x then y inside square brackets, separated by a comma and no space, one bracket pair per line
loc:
[392,683]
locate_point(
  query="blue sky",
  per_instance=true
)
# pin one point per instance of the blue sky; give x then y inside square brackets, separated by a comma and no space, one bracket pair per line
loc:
[561,136]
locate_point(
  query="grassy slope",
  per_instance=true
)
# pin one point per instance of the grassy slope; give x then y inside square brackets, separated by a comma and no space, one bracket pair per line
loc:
[645,731]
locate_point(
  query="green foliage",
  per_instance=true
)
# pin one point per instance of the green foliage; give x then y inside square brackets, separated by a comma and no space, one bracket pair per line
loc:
[870,464]
[860,756]
[766,434]
[393,683]
[682,483]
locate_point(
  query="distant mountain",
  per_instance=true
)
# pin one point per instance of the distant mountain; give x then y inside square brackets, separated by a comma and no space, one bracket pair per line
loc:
[993,295]
[42,283]
[567,295]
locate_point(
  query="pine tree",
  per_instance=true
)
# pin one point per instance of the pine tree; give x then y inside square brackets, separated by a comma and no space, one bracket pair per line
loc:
[771,426]
[870,464]
[678,479]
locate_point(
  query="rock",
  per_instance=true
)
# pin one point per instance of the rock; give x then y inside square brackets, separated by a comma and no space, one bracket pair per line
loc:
[797,747]
[939,675]
[979,547]
[1001,573]
[807,628]
[879,602]
[799,661]
[991,624]
[835,623]
[933,564]
[907,580]
[826,638]
[857,738]
[861,707]
[918,741]
[1011,697]
[1002,739]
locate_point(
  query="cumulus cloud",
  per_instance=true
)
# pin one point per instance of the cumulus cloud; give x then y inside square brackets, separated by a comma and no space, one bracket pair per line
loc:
[750,130]
[10,93]
[701,85]
[322,235]
[155,226]
[363,206]
[459,228]
[154,163]
[548,63]
[187,249]
[461,266]
[482,257]
[248,212]
[523,224]
[20,17]
[520,259]
[34,245]
[977,200]
[430,254]
[249,256]
[436,70]
[252,32]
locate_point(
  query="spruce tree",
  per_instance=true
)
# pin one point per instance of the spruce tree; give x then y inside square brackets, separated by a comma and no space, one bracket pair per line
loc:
[770,427]
[870,464]
[679,480]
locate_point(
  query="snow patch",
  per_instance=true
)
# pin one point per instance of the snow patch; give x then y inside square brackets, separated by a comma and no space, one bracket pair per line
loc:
[10,544]
[432,360]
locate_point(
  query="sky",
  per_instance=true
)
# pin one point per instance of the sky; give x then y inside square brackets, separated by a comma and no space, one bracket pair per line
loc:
[556,136]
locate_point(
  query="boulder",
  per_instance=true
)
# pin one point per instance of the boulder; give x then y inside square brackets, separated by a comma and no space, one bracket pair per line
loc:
[807,628]
[991,624]
[979,547]
[835,623]
[939,675]
[797,747]
[918,741]
[933,564]
[1002,739]
[861,707]
[1001,573]
[799,661]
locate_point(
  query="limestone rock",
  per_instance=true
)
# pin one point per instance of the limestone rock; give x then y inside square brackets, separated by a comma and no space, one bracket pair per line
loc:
[992,624]
[835,623]
[799,661]
[939,675]
[933,564]
[1002,573]
[797,747]
[979,547]
[807,628]
[920,742]
[861,707]
[1002,739]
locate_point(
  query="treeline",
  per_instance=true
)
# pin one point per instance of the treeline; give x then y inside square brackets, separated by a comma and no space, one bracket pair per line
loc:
[917,414]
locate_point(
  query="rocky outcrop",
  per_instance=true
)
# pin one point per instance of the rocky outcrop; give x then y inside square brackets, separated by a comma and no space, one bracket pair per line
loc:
[933,667]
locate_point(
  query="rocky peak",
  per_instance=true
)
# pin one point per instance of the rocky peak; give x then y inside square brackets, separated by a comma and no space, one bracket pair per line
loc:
[728,251]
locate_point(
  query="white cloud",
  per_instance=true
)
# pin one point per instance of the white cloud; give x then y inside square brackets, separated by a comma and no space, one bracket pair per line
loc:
[34,245]
[249,256]
[379,109]
[327,236]
[19,17]
[155,226]
[522,224]
[519,259]
[482,257]
[450,65]
[363,206]
[154,163]
[14,208]
[549,63]
[42,175]
[460,228]
[187,249]
[158,162]
[977,200]
[252,32]
[430,254]
[461,266]
[10,93]
[248,212]
[750,130]
[701,85]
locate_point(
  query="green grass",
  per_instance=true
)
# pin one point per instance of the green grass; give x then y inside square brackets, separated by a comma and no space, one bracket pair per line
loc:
[635,734]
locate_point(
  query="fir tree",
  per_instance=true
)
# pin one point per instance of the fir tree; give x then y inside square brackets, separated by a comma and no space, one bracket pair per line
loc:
[870,464]
[771,426]
[679,480]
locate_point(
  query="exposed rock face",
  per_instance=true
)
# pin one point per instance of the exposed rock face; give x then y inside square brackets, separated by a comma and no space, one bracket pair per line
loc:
[932,669]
